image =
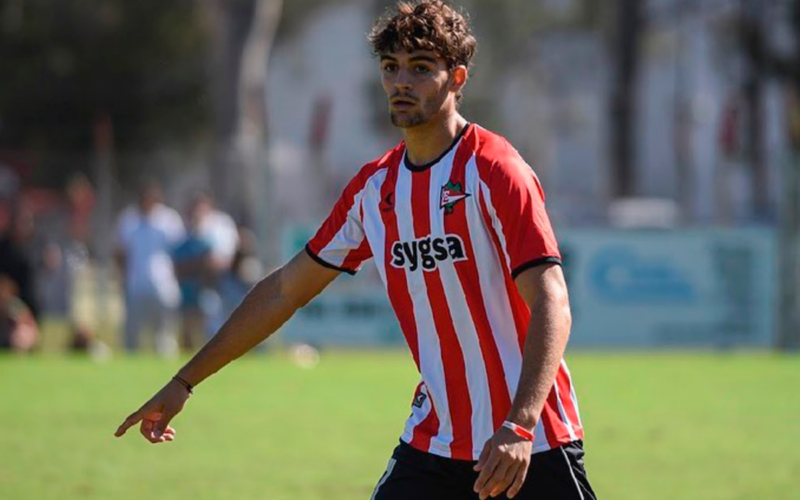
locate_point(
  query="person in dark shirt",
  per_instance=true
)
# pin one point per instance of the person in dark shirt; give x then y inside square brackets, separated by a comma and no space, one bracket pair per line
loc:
[18,329]
[16,256]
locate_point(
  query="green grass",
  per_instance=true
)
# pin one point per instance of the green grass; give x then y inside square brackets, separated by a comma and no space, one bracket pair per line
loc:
[659,426]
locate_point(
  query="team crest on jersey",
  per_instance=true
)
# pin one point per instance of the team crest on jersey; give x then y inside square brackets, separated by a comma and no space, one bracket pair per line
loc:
[452,193]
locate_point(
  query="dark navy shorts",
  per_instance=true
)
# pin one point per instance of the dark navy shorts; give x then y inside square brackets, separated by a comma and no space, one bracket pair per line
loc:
[556,474]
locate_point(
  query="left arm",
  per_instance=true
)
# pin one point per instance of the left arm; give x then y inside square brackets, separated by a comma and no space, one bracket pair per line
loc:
[505,458]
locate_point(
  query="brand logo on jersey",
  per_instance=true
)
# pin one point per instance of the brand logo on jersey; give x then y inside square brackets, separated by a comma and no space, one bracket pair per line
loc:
[452,193]
[387,204]
[427,252]
[419,400]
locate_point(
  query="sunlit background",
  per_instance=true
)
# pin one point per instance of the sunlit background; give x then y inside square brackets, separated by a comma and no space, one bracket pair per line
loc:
[666,134]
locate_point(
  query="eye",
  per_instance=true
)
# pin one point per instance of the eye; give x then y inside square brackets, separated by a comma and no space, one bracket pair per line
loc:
[389,68]
[421,69]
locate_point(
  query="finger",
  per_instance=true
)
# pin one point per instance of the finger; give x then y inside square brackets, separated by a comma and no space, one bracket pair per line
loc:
[504,481]
[487,471]
[148,425]
[162,423]
[164,438]
[146,429]
[484,456]
[495,481]
[129,422]
[519,480]
[169,432]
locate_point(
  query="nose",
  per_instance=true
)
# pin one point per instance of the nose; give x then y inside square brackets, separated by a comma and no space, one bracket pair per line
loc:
[403,80]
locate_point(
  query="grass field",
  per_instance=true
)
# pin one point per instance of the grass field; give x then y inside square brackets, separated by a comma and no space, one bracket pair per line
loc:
[659,426]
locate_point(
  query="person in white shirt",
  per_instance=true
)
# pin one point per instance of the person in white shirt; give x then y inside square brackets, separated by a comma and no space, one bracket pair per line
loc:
[146,234]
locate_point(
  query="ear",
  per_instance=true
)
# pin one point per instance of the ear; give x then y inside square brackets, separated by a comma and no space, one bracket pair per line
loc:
[458,77]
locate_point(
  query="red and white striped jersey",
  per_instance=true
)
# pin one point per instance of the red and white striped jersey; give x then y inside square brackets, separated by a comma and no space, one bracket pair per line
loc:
[448,239]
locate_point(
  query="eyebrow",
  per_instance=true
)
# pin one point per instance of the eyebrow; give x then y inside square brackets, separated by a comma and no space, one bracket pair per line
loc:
[421,58]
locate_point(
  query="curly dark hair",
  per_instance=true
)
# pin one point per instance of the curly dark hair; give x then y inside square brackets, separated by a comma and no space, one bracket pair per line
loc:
[425,25]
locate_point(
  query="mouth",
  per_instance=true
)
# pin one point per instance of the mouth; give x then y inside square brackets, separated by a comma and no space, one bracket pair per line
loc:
[402,103]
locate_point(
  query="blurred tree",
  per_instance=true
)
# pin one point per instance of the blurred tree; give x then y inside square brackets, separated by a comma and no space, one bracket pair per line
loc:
[753,44]
[625,51]
[66,65]
[243,33]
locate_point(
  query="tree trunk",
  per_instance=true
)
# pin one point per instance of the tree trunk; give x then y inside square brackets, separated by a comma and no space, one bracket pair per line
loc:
[623,99]
[252,131]
[243,33]
[753,41]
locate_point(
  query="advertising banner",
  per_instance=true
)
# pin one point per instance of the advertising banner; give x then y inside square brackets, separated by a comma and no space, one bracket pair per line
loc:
[679,288]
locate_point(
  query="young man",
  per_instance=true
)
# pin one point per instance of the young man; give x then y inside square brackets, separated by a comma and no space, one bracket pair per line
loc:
[146,234]
[455,221]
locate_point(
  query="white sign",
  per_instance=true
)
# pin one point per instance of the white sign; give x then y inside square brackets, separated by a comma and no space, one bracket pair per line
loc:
[680,288]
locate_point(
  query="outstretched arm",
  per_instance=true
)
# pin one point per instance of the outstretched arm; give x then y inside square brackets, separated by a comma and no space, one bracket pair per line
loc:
[265,308]
[503,465]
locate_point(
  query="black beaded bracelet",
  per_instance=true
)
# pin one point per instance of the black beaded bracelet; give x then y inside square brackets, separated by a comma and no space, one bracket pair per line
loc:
[184,383]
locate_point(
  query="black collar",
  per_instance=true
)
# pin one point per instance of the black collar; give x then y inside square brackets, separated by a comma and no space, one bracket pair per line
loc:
[426,166]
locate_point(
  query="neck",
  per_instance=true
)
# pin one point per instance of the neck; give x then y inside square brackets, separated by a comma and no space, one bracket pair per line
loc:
[424,143]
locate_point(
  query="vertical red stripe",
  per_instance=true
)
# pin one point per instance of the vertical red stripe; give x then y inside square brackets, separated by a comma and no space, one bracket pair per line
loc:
[396,284]
[467,271]
[429,427]
[565,392]
[455,373]
[519,308]
[554,428]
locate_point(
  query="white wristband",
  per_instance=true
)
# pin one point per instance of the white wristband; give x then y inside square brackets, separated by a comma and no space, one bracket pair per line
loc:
[518,430]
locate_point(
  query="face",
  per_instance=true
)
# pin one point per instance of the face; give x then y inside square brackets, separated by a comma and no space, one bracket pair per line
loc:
[419,86]
[198,210]
[149,198]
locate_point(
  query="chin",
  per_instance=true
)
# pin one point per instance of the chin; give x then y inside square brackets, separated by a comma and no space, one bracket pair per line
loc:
[407,121]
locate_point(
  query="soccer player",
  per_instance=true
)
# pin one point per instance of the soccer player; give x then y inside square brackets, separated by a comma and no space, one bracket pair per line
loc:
[455,221]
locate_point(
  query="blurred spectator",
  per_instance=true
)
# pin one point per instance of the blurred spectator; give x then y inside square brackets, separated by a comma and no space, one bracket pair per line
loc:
[65,253]
[18,329]
[245,272]
[192,259]
[217,231]
[146,234]
[16,261]
[81,201]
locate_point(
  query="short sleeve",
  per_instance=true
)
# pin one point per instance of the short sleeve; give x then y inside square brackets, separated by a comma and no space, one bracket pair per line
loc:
[516,204]
[340,243]
[173,225]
